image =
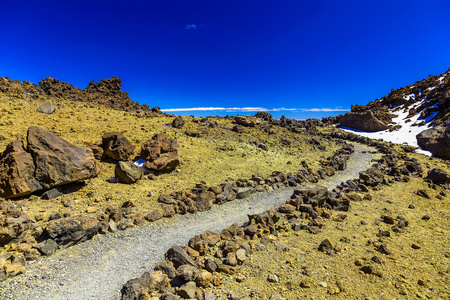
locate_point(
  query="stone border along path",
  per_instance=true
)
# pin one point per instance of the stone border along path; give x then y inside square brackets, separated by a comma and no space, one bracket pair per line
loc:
[98,268]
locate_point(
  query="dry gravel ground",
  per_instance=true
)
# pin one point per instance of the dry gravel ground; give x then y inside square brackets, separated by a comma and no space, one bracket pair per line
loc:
[98,268]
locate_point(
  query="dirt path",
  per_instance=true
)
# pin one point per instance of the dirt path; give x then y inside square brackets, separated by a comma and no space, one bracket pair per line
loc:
[98,268]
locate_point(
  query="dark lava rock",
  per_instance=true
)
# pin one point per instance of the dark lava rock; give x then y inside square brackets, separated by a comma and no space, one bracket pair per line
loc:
[436,140]
[117,146]
[48,161]
[364,121]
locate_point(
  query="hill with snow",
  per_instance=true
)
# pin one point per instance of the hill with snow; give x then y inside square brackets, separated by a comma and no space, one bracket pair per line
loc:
[410,110]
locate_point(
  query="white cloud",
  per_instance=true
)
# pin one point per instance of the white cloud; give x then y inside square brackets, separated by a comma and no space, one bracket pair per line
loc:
[323,109]
[254,109]
[190,26]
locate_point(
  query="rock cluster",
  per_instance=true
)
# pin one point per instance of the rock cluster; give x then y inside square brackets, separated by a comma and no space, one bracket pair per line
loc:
[47,161]
[435,89]
[209,255]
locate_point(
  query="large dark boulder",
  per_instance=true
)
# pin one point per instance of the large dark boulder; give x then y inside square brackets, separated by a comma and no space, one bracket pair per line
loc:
[436,140]
[161,153]
[48,161]
[364,121]
[117,146]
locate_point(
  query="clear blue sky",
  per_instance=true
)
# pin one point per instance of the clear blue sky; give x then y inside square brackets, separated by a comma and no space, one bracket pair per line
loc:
[270,54]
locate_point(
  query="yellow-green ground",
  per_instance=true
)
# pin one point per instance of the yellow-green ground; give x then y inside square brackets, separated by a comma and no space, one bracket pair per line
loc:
[219,154]
[417,268]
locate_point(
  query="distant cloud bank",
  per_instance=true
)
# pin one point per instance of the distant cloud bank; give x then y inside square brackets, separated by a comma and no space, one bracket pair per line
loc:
[254,109]
[190,26]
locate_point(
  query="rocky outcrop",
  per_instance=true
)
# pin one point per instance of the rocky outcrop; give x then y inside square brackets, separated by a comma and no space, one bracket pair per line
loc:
[48,161]
[364,121]
[436,140]
[107,92]
[435,89]
[161,153]
[117,146]
[265,116]
[247,121]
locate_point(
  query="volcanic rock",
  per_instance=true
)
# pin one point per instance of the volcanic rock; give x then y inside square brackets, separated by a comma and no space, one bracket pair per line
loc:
[178,122]
[438,176]
[161,153]
[117,146]
[13,223]
[263,115]
[127,172]
[47,247]
[72,230]
[436,140]
[147,283]
[179,257]
[364,121]
[46,108]
[247,121]
[48,161]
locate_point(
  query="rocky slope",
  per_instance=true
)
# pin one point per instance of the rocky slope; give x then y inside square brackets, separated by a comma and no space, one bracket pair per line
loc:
[107,92]
[428,97]
[190,164]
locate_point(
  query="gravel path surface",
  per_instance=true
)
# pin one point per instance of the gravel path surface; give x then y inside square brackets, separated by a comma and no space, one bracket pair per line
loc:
[98,268]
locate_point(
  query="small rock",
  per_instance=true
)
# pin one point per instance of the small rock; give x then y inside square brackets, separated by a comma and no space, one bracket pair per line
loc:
[367,269]
[376,259]
[415,246]
[241,255]
[51,194]
[46,108]
[383,249]
[127,172]
[323,284]
[203,279]
[306,284]
[426,217]
[388,219]
[325,246]
[272,278]
[47,247]
[187,290]
[276,297]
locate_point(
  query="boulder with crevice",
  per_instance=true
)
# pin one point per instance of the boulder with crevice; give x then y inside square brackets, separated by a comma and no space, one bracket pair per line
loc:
[117,146]
[161,153]
[48,161]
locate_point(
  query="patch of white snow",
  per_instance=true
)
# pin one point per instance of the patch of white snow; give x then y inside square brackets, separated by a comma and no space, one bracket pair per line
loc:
[410,96]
